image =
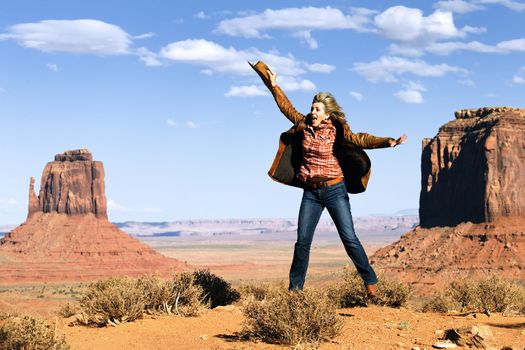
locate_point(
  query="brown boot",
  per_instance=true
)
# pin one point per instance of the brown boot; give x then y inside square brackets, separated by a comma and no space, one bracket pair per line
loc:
[371,290]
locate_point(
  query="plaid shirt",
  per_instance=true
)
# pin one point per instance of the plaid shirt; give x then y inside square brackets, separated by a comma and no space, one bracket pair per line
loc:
[318,153]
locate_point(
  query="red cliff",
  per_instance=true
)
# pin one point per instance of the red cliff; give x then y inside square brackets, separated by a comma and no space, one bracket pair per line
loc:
[67,236]
[472,202]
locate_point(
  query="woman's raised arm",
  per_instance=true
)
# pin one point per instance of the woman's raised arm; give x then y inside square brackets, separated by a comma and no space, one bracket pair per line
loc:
[269,79]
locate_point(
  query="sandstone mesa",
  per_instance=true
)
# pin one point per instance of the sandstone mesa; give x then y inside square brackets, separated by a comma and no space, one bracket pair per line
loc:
[67,235]
[472,203]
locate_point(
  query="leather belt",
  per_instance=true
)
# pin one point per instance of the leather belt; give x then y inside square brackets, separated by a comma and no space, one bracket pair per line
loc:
[322,184]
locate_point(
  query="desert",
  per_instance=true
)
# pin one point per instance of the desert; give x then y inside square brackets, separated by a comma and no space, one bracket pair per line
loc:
[301,175]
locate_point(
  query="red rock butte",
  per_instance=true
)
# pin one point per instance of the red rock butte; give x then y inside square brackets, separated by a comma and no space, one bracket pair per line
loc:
[472,203]
[67,235]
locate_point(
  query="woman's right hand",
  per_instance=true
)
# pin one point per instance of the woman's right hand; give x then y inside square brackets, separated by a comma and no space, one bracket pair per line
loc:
[273,78]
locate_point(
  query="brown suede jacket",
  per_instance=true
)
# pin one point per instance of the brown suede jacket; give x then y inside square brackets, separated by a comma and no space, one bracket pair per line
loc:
[348,147]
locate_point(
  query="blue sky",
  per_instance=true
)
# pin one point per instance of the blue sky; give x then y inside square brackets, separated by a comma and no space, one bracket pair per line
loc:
[161,93]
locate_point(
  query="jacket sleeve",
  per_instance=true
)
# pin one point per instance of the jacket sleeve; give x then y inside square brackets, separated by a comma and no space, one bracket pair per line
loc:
[282,101]
[367,141]
[285,106]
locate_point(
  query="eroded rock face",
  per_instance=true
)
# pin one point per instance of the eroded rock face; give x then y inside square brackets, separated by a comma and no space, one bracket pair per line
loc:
[474,168]
[67,236]
[472,204]
[72,184]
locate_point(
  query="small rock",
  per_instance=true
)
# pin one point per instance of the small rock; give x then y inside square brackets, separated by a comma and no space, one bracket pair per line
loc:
[439,331]
[444,345]
[204,337]
[415,348]
[482,330]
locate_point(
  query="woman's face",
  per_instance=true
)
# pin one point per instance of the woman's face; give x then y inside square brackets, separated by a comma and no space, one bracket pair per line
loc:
[318,113]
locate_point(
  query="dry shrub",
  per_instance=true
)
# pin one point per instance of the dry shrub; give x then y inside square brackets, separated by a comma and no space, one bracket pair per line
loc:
[259,291]
[498,294]
[112,301]
[492,294]
[292,318]
[69,309]
[216,290]
[438,303]
[186,295]
[351,292]
[391,292]
[27,333]
[464,294]
[158,294]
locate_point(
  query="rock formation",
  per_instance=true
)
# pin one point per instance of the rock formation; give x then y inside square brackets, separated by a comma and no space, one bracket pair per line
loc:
[473,169]
[67,236]
[472,202]
[72,184]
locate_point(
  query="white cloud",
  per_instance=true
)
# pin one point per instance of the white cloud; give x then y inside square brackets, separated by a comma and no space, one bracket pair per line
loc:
[114,206]
[86,36]
[144,36]
[518,80]
[513,5]
[358,96]
[411,93]
[291,84]
[389,68]
[246,91]
[467,82]
[172,123]
[295,19]
[149,58]
[458,6]
[408,24]
[192,125]
[502,47]
[320,67]
[218,59]
[306,36]
[452,46]
[53,67]
[414,32]
[202,15]
[512,45]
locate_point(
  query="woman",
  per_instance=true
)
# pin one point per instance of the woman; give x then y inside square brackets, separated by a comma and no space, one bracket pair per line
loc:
[321,155]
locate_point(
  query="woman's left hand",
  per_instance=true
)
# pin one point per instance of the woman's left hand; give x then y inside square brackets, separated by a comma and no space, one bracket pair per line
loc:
[399,141]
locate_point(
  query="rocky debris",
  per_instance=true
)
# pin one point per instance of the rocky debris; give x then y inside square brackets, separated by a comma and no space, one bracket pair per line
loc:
[473,169]
[67,236]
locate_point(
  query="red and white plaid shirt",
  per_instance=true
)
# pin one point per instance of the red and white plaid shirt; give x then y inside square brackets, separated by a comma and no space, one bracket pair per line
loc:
[318,153]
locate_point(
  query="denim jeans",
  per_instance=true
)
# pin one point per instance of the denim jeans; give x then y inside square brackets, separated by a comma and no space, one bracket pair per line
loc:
[335,199]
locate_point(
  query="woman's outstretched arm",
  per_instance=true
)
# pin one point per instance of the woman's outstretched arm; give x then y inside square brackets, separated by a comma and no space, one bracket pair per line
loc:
[285,106]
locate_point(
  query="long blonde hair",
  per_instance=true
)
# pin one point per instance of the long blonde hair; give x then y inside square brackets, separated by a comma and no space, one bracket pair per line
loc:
[333,109]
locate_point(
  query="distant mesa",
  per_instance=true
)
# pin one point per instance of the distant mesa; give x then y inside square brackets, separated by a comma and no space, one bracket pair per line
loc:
[67,235]
[472,202]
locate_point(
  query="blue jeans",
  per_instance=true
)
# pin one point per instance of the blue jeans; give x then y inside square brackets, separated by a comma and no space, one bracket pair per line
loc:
[335,199]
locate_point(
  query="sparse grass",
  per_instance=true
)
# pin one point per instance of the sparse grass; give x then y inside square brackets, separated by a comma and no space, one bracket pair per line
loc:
[351,292]
[27,333]
[216,290]
[292,318]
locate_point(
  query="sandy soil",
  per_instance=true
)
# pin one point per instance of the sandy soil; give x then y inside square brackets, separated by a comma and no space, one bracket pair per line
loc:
[242,261]
[364,328]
